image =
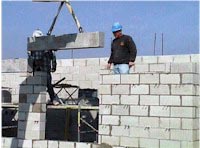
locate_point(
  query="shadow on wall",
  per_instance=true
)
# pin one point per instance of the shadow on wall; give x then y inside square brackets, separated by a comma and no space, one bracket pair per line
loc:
[32,107]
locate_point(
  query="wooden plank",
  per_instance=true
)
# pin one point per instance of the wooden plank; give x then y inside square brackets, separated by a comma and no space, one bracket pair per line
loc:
[66,41]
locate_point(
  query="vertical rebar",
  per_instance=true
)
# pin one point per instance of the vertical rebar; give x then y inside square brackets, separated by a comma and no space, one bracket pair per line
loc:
[162,44]
[79,121]
[154,45]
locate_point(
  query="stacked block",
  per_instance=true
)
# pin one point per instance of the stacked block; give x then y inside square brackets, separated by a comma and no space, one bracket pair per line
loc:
[157,107]
[18,143]
[32,107]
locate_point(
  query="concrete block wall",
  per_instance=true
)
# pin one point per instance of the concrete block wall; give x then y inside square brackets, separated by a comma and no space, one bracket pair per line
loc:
[85,72]
[157,105]
[157,108]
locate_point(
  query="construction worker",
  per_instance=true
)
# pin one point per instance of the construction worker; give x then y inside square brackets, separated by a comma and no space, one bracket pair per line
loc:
[45,61]
[123,51]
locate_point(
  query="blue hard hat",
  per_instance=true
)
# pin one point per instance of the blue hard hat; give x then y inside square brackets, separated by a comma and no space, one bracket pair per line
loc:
[116,27]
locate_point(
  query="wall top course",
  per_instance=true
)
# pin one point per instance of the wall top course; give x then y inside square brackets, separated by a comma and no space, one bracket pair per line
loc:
[19,65]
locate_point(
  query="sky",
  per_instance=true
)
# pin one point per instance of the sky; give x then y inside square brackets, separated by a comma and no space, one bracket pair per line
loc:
[178,21]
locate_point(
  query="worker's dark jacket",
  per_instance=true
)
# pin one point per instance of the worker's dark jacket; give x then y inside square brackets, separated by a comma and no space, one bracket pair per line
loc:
[123,50]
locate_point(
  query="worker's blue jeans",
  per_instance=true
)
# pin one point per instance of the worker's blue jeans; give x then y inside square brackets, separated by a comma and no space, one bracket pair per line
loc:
[121,69]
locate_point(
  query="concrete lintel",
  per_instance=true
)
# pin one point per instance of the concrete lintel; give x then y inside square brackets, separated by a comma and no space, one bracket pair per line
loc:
[67,41]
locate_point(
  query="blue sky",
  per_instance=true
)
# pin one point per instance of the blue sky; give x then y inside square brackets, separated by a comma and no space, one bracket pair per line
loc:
[178,21]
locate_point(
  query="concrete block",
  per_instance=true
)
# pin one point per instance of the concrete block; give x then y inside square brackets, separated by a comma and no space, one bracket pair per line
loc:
[190,79]
[92,77]
[36,98]
[40,73]
[139,132]
[184,135]
[37,80]
[129,99]
[24,116]
[189,144]
[67,41]
[93,61]
[26,89]
[130,79]
[159,89]
[78,77]
[66,144]
[120,110]
[138,59]
[85,84]
[25,143]
[104,129]
[183,90]
[129,142]
[129,120]
[170,100]
[190,123]
[183,68]
[139,110]
[149,100]
[190,101]
[39,108]
[83,145]
[79,62]
[161,111]
[149,78]
[150,59]
[181,59]
[36,134]
[39,89]
[25,107]
[65,62]
[120,89]
[150,143]
[174,123]
[170,143]
[110,99]
[95,84]
[165,59]
[120,131]
[159,133]
[104,109]
[111,79]
[184,112]
[9,142]
[110,120]
[52,144]
[195,58]
[149,121]
[158,68]
[139,89]
[104,89]
[111,140]
[40,144]
[170,79]
[141,68]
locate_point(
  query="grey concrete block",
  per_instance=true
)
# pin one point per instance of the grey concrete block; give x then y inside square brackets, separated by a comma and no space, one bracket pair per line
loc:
[40,144]
[67,41]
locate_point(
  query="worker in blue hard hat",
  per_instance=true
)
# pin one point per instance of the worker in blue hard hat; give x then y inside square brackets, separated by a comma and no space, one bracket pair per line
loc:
[123,51]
